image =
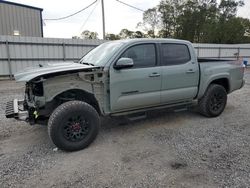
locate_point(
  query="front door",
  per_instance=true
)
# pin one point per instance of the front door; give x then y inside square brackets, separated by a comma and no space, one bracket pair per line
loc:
[139,86]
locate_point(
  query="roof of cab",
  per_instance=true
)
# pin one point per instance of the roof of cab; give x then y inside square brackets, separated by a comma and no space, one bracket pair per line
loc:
[154,40]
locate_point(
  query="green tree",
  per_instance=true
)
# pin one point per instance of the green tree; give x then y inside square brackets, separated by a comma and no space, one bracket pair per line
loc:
[229,29]
[111,36]
[203,21]
[138,34]
[89,35]
[228,8]
[195,20]
[126,34]
[246,24]
[151,21]
[236,31]
[170,10]
[188,21]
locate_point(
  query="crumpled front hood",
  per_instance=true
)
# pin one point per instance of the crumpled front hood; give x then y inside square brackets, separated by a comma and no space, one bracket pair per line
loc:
[34,72]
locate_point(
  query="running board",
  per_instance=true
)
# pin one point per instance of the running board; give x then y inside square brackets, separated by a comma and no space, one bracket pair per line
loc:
[137,116]
[175,106]
[181,109]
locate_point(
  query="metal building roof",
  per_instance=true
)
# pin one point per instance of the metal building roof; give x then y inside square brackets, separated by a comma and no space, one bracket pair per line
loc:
[21,5]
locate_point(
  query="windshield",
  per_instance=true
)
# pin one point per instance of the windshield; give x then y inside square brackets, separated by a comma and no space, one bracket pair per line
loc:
[101,54]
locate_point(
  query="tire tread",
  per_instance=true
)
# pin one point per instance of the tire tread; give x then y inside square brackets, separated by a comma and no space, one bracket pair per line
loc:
[203,102]
[56,114]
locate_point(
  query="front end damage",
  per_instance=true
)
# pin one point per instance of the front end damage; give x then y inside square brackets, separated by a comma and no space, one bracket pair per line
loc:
[26,109]
[15,109]
[47,89]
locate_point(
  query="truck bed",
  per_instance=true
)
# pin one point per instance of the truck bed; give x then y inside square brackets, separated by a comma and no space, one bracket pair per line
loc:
[212,69]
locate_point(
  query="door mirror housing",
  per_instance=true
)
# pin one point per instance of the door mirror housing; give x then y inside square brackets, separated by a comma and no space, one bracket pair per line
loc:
[124,62]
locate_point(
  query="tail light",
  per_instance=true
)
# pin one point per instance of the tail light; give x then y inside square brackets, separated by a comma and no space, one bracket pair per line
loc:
[241,64]
[243,69]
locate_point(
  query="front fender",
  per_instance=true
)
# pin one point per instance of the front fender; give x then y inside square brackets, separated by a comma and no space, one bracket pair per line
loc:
[57,85]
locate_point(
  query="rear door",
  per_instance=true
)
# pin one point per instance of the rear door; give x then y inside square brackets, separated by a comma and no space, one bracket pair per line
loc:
[180,73]
[139,86]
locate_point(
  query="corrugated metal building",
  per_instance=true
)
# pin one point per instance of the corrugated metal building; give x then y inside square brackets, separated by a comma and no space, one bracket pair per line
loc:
[21,20]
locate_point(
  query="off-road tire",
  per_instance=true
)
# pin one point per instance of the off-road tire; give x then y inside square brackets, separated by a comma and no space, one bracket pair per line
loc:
[59,120]
[205,103]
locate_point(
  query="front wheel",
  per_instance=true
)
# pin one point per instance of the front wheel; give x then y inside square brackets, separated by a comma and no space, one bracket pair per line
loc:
[213,102]
[73,125]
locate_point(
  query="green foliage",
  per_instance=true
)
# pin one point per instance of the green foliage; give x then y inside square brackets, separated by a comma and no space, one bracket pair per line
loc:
[170,10]
[111,36]
[125,34]
[228,8]
[151,20]
[138,34]
[198,21]
[202,21]
[89,35]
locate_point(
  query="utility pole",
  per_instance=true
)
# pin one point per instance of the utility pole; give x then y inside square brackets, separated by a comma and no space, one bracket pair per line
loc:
[103,20]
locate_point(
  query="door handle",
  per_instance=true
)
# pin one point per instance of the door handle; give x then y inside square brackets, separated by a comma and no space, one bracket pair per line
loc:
[190,71]
[154,74]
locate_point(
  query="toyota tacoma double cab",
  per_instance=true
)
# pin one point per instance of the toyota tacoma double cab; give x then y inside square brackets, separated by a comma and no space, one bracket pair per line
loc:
[120,78]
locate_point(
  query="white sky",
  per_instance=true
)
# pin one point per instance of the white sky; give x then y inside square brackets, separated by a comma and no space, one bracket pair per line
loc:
[118,16]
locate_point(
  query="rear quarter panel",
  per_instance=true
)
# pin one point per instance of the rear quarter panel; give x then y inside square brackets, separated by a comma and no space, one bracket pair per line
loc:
[211,71]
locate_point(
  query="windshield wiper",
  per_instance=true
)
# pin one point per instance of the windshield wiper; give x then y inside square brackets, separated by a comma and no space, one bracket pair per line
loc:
[85,63]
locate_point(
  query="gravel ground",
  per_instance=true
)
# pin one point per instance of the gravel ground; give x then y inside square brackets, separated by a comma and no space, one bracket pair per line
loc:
[166,149]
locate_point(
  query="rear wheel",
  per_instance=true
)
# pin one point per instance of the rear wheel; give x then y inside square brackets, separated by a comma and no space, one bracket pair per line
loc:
[73,125]
[213,102]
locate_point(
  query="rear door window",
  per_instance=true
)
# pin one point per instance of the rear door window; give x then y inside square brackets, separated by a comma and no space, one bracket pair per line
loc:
[174,54]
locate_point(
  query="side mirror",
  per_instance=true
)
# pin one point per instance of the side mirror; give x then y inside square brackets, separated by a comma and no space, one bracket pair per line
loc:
[124,62]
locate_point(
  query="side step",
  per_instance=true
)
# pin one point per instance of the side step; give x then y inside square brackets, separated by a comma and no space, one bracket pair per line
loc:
[181,109]
[173,106]
[137,116]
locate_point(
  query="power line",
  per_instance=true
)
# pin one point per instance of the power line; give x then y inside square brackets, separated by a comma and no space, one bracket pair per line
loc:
[54,19]
[131,6]
[88,16]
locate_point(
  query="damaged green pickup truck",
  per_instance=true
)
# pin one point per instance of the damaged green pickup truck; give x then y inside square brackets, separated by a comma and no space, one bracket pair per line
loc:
[120,78]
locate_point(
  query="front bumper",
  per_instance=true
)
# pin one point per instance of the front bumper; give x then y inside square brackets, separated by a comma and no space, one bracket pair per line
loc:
[15,109]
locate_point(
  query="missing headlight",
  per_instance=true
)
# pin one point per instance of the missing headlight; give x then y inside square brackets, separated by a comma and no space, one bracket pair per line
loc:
[37,89]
